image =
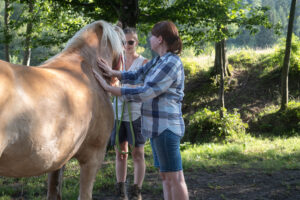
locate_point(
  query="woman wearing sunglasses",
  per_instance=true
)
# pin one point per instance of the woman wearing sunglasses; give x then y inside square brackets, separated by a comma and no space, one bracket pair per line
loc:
[133,61]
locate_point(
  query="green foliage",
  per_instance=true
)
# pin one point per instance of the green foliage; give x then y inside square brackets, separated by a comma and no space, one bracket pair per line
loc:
[52,26]
[276,122]
[215,20]
[207,126]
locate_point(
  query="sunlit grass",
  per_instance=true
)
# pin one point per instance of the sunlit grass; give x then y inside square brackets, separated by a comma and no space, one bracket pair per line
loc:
[265,154]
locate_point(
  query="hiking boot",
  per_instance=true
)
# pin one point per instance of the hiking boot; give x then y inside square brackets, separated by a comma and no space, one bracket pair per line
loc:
[121,191]
[135,193]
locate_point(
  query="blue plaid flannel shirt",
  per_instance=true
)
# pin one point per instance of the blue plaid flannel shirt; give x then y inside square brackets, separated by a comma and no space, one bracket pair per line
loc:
[161,94]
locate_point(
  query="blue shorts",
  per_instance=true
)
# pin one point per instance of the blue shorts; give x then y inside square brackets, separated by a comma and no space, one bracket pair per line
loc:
[166,151]
[125,133]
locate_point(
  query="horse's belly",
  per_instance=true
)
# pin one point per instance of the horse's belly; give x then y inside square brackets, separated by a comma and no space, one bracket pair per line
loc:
[42,148]
[35,141]
[26,159]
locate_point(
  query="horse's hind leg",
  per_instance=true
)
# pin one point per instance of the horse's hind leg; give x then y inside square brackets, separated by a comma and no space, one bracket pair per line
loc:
[88,172]
[55,184]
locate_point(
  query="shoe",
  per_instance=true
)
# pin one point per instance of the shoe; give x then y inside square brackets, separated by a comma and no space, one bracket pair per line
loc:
[121,191]
[135,192]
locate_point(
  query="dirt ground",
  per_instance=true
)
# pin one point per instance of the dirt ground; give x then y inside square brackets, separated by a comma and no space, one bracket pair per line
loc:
[230,184]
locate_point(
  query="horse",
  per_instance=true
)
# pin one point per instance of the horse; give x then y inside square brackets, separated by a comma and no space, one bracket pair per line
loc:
[58,111]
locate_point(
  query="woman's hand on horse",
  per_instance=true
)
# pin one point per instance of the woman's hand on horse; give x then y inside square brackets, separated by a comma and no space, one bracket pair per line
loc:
[103,65]
[106,69]
[100,80]
[113,90]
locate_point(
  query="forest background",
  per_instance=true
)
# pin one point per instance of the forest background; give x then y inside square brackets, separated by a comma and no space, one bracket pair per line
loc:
[53,25]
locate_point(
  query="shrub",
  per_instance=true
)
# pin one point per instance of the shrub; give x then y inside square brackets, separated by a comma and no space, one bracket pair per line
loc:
[207,126]
[279,123]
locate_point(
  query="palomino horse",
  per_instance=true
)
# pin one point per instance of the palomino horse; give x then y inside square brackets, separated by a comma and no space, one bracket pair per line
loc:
[57,111]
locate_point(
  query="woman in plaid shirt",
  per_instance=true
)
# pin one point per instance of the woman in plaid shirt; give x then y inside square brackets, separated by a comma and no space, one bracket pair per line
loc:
[161,96]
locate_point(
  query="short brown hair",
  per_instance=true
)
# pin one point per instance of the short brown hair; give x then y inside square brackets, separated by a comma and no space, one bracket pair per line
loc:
[168,31]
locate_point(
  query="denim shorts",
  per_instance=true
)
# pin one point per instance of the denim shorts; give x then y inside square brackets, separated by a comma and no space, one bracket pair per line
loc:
[166,151]
[125,133]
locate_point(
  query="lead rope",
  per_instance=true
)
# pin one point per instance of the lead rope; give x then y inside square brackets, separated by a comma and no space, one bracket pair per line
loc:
[119,125]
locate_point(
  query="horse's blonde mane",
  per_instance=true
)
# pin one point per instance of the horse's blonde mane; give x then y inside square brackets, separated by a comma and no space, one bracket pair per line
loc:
[111,33]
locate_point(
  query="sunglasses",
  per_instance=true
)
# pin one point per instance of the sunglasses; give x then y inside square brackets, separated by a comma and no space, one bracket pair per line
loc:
[130,42]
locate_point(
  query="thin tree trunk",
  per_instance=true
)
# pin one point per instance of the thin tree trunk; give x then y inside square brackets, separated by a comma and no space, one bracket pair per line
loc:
[27,52]
[218,58]
[220,67]
[222,75]
[6,30]
[225,60]
[129,13]
[286,62]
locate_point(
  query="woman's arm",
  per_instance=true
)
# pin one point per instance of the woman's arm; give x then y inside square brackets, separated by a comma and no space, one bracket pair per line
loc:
[165,75]
[138,76]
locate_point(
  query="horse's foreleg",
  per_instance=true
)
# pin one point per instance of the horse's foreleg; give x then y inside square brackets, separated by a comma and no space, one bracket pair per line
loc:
[55,184]
[88,172]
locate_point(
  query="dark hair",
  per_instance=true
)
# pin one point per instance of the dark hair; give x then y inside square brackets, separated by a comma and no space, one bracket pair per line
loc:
[168,31]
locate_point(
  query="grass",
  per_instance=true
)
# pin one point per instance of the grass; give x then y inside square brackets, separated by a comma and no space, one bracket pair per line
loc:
[261,153]
[268,154]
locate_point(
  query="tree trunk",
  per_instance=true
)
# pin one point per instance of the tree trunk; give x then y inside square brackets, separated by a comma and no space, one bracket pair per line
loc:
[6,30]
[221,57]
[221,67]
[27,52]
[218,58]
[286,62]
[221,89]
[129,13]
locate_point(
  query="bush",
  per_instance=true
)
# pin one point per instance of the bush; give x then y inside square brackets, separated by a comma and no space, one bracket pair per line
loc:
[207,126]
[279,123]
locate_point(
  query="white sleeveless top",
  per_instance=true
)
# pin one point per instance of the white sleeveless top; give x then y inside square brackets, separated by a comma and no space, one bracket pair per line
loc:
[135,106]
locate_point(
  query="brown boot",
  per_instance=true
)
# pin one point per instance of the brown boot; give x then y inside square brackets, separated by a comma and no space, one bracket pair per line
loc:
[121,191]
[135,192]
